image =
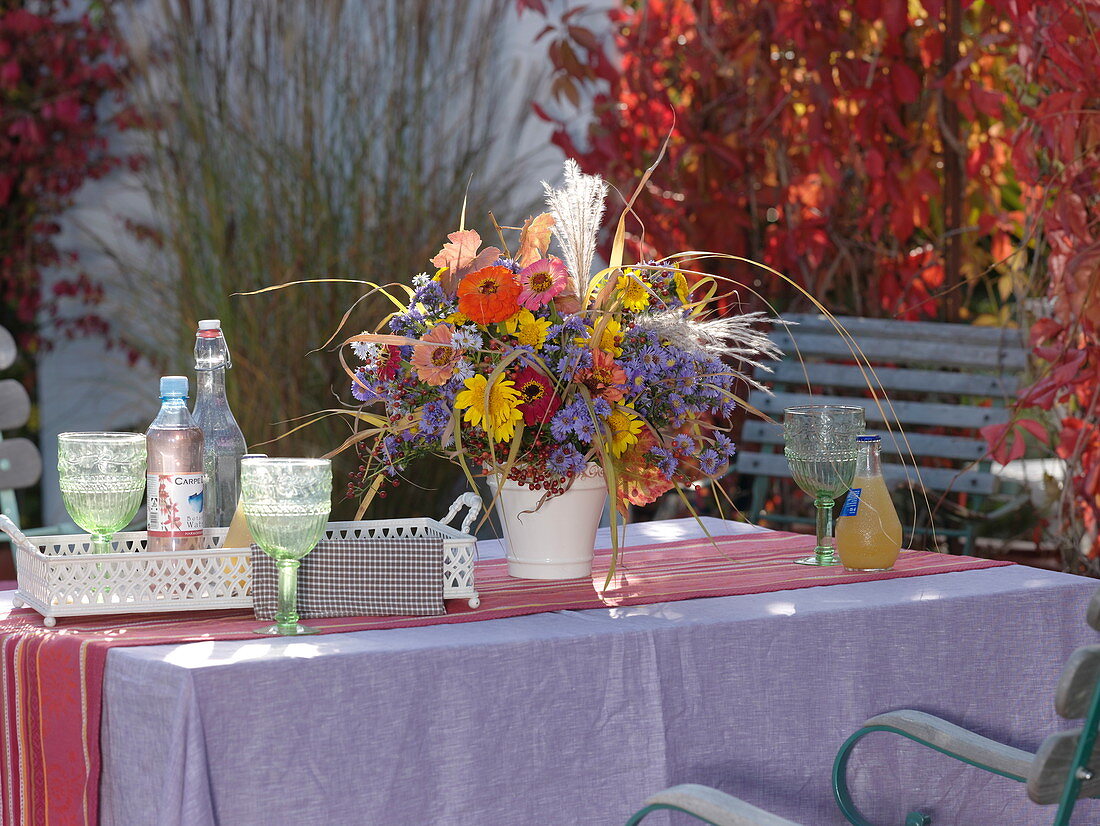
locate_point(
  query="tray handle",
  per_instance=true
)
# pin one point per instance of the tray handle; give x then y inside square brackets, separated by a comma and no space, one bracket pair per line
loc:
[467,500]
[20,539]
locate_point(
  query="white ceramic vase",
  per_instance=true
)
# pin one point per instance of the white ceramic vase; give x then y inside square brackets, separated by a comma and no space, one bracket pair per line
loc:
[555,541]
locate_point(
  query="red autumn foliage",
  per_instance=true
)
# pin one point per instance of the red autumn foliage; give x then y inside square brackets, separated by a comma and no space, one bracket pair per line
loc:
[807,136]
[1057,161]
[56,71]
[810,146]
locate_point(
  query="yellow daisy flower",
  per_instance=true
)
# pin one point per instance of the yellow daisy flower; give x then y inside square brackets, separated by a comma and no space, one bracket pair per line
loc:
[610,340]
[681,283]
[623,427]
[495,409]
[528,329]
[632,291]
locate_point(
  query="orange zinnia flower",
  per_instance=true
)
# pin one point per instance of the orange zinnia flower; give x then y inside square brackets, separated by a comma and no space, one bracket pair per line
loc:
[489,295]
[605,377]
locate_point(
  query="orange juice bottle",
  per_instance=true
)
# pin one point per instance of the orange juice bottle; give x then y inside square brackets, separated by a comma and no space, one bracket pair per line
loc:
[868,531]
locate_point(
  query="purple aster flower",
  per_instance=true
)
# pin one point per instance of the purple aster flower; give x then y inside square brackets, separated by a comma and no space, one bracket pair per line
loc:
[361,388]
[567,460]
[561,426]
[710,461]
[574,325]
[463,339]
[724,445]
[434,417]
[666,461]
[410,323]
[682,443]
[430,293]
[573,418]
[508,263]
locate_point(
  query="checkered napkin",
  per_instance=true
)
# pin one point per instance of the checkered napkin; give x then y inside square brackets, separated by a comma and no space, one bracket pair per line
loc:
[358,578]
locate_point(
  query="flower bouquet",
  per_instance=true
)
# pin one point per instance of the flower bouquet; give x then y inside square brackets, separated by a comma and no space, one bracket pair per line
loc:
[524,364]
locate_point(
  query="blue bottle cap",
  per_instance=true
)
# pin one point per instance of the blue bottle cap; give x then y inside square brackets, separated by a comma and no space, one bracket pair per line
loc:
[173,386]
[868,438]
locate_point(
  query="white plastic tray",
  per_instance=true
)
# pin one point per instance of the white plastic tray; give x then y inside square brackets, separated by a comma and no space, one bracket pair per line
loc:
[59,576]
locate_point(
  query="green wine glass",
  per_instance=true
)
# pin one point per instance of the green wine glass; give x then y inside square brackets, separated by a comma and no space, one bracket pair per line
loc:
[820,446]
[286,503]
[102,481]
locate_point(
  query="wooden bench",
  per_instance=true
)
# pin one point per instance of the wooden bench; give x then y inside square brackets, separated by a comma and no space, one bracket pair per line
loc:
[936,386]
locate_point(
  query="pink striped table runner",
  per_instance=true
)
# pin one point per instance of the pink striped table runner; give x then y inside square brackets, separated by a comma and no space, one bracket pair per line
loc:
[52,678]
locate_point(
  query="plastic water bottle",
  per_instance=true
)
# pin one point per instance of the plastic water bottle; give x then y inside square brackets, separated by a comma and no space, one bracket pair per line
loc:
[175,476]
[224,442]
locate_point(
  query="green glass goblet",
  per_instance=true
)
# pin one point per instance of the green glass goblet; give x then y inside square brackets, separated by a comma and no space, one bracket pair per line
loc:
[102,481]
[820,446]
[286,503]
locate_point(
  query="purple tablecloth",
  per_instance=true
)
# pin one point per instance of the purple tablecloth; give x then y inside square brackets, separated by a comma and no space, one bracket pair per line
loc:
[574,717]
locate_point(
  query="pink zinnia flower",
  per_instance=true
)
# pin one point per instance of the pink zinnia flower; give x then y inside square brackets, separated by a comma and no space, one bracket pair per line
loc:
[541,281]
[540,402]
[435,359]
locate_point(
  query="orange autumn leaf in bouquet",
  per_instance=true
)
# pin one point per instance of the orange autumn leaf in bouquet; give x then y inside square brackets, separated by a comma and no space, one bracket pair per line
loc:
[489,295]
[640,482]
[460,256]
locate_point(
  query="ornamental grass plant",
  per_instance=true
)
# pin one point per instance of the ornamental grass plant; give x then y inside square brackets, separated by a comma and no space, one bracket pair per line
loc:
[290,142]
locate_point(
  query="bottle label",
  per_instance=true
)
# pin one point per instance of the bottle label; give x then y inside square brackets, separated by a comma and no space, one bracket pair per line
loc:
[175,504]
[851,504]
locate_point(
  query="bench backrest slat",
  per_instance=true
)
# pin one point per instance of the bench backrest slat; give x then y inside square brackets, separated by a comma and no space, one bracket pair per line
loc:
[20,464]
[893,443]
[20,461]
[933,414]
[1052,766]
[872,328]
[15,404]
[1077,683]
[7,349]
[822,374]
[942,479]
[902,350]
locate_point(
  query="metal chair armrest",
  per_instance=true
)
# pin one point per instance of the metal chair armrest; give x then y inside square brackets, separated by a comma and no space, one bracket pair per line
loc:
[710,806]
[935,733]
[956,741]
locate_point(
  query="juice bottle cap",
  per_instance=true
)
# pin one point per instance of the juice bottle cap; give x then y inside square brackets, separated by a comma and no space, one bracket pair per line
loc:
[210,324]
[173,386]
[868,438]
